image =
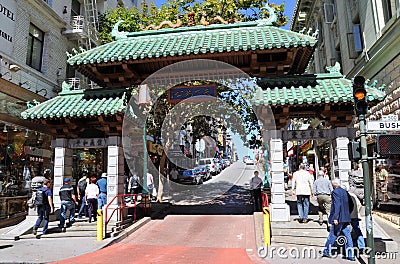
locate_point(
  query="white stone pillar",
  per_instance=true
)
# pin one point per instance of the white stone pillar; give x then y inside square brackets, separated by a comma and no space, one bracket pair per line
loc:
[280,211]
[342,162]
[62,168]
[115,173]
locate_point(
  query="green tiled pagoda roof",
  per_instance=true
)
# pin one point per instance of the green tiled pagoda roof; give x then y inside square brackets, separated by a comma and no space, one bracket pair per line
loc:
[326,88]
[80,103]
[243,36]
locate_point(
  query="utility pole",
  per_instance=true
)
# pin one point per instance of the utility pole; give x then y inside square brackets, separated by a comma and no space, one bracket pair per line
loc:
[361,109]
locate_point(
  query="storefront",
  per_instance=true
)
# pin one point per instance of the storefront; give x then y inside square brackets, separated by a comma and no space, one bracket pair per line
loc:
[25,150]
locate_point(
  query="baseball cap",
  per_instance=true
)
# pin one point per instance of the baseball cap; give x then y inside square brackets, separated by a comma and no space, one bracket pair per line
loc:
[67,180]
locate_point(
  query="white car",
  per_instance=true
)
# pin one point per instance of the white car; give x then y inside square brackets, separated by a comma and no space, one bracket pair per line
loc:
[249,161]
[214,169]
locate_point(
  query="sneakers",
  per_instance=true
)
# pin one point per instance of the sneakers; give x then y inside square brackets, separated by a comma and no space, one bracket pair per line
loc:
[34,231]
[320,223]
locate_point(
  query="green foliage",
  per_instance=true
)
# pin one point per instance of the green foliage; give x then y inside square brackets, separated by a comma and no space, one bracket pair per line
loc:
[230,10]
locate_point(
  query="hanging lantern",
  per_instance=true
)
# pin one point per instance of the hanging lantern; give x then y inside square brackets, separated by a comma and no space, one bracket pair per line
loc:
[144,94]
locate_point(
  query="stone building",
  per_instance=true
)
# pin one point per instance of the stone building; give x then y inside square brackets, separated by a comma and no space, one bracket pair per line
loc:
[363,36]
[34,38]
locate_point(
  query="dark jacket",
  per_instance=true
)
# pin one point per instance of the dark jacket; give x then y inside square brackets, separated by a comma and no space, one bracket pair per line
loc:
[340,206]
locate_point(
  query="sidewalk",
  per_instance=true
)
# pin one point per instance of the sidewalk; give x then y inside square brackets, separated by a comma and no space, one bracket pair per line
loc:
[79,239]
[293,242]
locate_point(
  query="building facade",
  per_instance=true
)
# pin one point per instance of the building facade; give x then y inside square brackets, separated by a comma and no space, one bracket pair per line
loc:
[34,38]
[363,36]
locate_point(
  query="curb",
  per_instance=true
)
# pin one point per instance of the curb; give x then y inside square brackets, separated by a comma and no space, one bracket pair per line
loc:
[392,217]
[124,234]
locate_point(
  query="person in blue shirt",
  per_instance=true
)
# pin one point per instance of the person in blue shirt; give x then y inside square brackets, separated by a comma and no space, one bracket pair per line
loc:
[45,209]
[340,220]
[102,198]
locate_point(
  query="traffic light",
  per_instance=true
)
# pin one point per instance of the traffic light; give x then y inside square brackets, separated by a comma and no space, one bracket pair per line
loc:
[388,144]
[360,96]
[354,149]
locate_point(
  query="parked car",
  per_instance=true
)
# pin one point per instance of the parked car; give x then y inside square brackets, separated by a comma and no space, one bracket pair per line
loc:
[212,166]
[205,172]
[193,176]
[245,158]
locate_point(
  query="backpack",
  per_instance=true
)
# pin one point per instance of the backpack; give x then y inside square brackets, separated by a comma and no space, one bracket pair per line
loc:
[40,198]
[82,186]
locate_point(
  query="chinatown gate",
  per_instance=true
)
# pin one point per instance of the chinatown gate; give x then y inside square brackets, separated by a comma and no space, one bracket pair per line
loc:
[278,58]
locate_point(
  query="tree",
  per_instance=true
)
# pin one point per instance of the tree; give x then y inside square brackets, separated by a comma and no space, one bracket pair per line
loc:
[230,10]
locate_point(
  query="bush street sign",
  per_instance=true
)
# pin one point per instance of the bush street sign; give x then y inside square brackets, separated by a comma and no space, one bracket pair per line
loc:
[379,125]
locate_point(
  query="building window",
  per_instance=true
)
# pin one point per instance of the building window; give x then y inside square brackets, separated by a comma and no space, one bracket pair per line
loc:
[387,10]
[49,2]
[355,42]
[35,48]
[329,13]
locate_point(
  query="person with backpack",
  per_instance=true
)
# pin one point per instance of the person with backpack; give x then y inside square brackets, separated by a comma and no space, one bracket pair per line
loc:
[68,201]
[44,205]
[133,186]
[82,184]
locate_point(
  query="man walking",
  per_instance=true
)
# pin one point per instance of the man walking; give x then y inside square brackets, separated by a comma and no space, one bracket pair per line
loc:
[302,187]
[44,204]
[339,218]
[102,198]
[322,190]
[355,220]
[68,202]
[82,184]
[255,185]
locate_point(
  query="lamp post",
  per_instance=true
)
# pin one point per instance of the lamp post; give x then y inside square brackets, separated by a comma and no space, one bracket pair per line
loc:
[144,100]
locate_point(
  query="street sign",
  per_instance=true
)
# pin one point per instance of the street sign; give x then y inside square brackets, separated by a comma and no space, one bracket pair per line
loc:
[389,118]
[200,145]
[380,125]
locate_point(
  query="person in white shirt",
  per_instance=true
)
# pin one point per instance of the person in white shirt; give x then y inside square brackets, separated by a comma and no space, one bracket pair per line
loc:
[303,188]
[256,185]
[91,194]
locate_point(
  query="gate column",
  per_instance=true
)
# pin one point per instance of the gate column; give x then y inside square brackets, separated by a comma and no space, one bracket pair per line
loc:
[115,173]
[62,167]
[341,160]
[280,210]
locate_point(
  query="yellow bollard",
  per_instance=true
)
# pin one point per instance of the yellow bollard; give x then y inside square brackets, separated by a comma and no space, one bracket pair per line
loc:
[99,224]
[267,227]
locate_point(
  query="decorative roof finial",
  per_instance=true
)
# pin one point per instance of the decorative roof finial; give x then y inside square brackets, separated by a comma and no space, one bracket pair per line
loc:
[115,34]
[334,68]
[272,18]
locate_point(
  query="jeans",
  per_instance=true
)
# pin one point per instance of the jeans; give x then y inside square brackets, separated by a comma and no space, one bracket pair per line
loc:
[303,204]
[257,200]
[356,228]
[101,200]
[43,214]
[67,205]
[83,206]
[334,233]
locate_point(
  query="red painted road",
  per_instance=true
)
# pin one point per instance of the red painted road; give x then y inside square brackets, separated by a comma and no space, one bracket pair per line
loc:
[184,239]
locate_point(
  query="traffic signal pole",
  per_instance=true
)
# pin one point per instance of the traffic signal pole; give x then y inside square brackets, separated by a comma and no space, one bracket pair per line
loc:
[361,110]
[367,190]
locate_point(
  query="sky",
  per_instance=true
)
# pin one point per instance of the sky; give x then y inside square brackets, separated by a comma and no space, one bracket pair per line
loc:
[289,8]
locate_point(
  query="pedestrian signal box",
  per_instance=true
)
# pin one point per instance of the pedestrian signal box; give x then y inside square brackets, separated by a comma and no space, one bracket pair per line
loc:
[354,149]
[388,144]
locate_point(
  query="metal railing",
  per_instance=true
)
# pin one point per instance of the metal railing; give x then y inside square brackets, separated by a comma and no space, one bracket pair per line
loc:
[13,206]
[124,205]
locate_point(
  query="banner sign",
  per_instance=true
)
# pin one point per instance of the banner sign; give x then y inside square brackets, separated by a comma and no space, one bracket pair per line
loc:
[201,93]
[87,143]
